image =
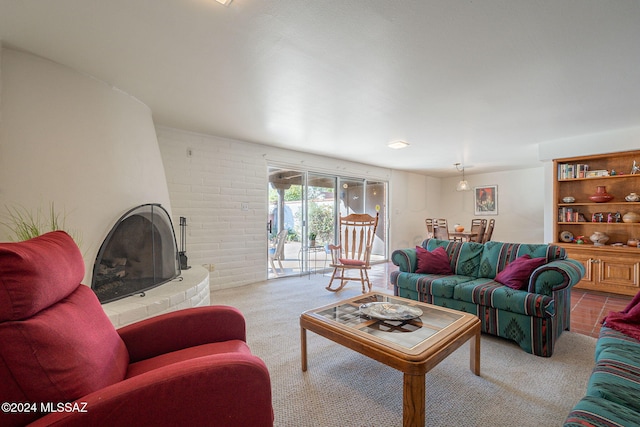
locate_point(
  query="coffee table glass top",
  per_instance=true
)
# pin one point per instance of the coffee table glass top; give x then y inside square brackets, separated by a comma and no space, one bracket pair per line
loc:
[404,333]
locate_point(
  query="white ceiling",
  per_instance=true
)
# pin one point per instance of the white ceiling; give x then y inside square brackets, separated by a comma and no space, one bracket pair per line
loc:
[480,82]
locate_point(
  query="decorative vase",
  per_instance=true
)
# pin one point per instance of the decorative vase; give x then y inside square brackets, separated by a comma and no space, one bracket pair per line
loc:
[631,217]
[598,238]
[632,197]
[601,195]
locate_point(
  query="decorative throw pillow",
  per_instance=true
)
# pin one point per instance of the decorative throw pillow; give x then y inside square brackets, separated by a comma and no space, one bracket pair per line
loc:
[516,274]
[434,262]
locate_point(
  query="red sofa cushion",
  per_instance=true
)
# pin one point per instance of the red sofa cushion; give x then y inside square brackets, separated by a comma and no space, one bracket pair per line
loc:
[433,262]
[517,273]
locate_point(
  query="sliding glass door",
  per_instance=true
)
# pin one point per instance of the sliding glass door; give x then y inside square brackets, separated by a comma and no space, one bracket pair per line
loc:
[308,205]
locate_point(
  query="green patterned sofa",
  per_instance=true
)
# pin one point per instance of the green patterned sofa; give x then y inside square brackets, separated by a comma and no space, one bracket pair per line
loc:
[534,318]
[614,386]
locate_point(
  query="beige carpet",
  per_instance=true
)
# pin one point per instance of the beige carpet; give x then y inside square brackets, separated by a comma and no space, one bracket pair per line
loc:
[344,388]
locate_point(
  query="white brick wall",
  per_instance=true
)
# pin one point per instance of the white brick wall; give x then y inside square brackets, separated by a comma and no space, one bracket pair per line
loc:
[208,188]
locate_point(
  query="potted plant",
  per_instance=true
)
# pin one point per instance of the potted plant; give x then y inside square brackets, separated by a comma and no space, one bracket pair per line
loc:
[312,239]
[24,224]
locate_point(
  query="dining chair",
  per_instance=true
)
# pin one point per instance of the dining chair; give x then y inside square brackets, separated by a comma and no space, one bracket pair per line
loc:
[440,222]
[357,232]
[489,231]
[429,225]
[478,226]
[441,233]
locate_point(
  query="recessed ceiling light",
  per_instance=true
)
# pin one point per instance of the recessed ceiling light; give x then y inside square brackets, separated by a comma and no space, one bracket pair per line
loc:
[224,2]
[396,145]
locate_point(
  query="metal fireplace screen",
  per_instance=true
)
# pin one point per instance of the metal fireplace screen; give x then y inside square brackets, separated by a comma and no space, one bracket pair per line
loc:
[139,253]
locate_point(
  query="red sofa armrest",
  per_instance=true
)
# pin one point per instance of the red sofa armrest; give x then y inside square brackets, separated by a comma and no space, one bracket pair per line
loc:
[229,389]
[182,329]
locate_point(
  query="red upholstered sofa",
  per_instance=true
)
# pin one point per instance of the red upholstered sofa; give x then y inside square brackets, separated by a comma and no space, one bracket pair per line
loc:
[63,363]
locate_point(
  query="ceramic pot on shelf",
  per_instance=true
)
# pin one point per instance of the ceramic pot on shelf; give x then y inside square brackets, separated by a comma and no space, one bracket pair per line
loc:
[601,195]
[599,238]
[632,197]
[631,217]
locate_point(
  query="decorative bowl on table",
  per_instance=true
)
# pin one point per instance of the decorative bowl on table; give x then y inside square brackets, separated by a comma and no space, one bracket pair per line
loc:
[389,311]
[459,228]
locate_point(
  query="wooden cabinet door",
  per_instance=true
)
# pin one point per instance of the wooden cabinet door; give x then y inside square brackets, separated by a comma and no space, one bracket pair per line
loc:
[607,270]
[589,279]
[619,272]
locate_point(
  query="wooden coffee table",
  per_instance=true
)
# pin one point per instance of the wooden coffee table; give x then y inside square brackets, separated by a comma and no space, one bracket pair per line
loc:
[412,347]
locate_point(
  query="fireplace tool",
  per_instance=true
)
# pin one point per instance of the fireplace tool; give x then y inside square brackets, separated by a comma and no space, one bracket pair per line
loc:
[183,242]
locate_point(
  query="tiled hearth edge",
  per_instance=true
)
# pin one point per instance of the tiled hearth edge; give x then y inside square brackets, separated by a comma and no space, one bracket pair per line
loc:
[191,291]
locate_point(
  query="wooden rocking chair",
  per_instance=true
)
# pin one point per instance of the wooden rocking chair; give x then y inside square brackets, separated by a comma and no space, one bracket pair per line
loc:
[357,232]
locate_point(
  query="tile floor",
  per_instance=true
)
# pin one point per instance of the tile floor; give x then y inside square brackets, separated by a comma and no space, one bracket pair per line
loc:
[587,307]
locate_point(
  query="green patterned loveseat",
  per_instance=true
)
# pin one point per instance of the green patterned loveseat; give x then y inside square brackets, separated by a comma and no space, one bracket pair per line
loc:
[534,317]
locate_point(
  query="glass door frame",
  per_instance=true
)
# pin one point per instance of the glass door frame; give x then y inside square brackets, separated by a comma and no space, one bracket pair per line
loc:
[359,195]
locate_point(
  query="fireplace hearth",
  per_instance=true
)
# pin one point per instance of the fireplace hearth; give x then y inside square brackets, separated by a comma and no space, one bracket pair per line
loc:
[139,253]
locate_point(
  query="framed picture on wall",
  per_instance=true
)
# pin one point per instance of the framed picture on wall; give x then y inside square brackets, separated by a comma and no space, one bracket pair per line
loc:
[486,200]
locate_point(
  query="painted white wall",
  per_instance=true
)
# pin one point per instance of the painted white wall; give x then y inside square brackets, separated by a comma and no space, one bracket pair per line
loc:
[414,197]
[520,203]
[70,139]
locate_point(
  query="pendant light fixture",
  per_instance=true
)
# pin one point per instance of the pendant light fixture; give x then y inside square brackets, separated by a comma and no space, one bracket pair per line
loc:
[462,185]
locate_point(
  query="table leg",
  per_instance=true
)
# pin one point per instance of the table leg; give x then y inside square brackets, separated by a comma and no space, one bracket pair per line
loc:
[303,348]
[474,357]
[413,405]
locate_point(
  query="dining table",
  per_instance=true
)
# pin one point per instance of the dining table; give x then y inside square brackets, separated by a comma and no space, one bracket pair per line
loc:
[467,236]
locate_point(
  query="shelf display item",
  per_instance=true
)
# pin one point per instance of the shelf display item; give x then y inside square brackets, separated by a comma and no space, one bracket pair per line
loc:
[601,195]
[630,217]
[566,236]
[599,238]
[632,197]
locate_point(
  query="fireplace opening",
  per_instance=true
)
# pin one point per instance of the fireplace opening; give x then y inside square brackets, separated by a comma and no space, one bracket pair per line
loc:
[139,253]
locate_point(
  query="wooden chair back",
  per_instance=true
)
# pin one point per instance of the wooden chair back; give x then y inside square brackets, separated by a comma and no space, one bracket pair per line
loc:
[357,233]
[489,231]
[429,225]
[440,222]
[478,226]
[356,236]
[441,233]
